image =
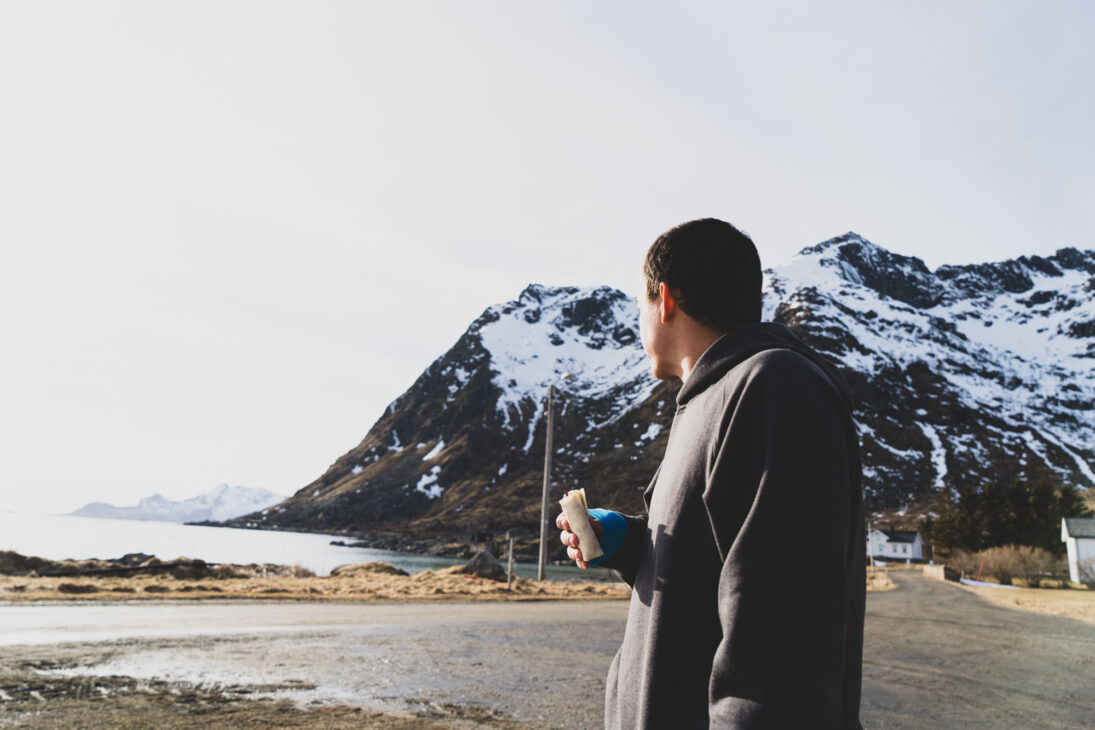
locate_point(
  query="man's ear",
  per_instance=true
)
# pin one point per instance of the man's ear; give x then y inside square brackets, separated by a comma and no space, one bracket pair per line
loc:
[668,302]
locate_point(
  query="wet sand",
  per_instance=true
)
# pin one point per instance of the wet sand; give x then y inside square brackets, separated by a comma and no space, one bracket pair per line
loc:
[514,665]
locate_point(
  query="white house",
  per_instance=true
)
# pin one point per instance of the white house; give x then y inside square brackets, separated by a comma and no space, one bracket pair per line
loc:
[1078,534]
[895,544]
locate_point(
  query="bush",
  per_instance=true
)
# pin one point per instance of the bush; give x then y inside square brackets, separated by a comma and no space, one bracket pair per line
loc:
[964,563]
[1009,562]
[77,588]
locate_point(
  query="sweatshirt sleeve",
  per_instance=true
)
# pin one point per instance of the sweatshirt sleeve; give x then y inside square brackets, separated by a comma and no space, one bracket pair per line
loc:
[777,496]
[625,560]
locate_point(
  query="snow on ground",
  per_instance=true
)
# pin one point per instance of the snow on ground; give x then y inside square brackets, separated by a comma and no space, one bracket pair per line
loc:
[1030,331]
[532,346]
[435,450]
[1082,465]
[428,484]
[939,455]
[983,584]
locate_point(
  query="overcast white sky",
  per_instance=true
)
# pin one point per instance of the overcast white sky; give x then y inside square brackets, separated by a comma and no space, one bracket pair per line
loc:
[233,232]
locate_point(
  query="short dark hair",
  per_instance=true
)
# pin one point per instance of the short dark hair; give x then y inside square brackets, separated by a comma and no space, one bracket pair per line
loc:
[712,268]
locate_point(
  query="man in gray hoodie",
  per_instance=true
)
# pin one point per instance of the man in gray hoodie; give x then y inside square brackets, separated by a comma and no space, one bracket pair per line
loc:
[747,571]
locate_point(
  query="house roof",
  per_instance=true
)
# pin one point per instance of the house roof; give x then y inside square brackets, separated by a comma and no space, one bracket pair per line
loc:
[1080,526]
[900,535]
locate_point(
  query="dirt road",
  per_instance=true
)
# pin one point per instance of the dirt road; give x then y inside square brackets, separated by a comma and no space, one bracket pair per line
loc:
[936,656]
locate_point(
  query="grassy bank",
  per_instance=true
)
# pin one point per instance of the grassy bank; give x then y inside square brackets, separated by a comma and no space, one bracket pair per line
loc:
[365,582]
[141,578]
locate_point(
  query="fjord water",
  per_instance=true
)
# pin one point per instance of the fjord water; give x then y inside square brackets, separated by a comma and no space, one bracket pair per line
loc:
[58,537]
[66,536]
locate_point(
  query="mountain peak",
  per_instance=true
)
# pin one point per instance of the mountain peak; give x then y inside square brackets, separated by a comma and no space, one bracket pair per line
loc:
[858,261]
[221,503]
[1071,258]
[1015,276]
[851,237]
[588,332]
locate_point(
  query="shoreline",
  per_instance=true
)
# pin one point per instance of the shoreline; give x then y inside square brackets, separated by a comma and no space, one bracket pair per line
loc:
[138,577]
[454,545]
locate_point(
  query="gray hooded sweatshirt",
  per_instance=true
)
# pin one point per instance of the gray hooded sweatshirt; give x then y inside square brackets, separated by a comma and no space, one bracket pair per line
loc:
[747,572]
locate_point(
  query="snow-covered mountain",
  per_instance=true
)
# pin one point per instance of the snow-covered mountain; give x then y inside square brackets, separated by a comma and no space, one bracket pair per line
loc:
[223,503]
[964,374]
[462,450]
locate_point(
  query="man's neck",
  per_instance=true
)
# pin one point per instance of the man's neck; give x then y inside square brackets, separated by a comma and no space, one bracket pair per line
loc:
[697,344]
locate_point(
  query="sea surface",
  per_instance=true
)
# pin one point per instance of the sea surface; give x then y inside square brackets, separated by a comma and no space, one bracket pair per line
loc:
[58,537]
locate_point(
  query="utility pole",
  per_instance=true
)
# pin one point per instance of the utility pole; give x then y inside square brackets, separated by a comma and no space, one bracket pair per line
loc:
[870,543]
[509,570]
[542,567]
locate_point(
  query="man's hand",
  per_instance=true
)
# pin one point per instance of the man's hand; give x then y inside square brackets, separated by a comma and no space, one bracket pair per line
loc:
[569,539]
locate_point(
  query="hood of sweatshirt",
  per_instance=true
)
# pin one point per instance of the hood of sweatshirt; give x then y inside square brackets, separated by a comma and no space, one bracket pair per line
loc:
[742,343]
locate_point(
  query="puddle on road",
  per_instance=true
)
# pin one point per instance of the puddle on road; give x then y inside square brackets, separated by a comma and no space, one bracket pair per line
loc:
[519,669]
[376,669]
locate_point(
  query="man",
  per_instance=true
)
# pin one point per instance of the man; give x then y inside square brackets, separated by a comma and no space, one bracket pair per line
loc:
[747,571]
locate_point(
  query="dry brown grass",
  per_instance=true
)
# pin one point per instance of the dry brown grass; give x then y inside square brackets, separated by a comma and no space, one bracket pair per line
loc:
[368,582]
[878,580]
[376,581]
[1077,603]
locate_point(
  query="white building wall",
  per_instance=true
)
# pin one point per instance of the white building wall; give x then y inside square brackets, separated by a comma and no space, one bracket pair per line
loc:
[1073,570]
[880,547]
[1084,551]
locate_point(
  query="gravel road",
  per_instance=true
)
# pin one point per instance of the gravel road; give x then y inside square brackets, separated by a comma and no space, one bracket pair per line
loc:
[935,655]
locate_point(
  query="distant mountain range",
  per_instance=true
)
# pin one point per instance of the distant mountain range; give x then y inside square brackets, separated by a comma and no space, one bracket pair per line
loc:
[961,375]
[223,503]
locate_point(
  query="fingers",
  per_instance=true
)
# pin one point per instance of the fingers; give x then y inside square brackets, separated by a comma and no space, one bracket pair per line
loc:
[569,539]
[596,523]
